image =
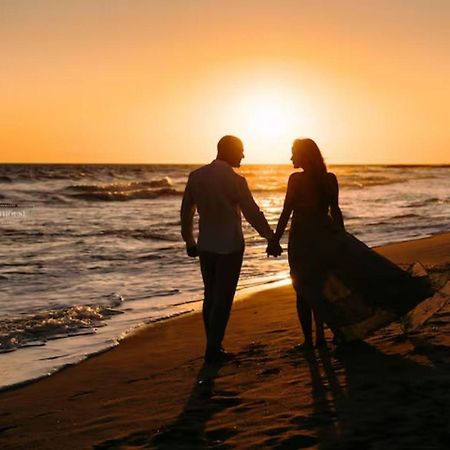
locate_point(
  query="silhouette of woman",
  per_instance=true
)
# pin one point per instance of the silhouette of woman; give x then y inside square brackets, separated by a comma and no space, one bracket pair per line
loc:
[337,278]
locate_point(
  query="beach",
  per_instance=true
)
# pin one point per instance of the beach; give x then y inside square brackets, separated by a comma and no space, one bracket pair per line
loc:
[152,391]
[144,145]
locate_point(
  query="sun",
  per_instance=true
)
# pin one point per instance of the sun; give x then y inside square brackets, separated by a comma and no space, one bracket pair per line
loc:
[268,120]
[264,117]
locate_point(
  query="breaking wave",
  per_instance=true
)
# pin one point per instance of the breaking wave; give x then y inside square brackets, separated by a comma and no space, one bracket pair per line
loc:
[123,191]
[141,194]
[123,187]
[36,329]
[428,201]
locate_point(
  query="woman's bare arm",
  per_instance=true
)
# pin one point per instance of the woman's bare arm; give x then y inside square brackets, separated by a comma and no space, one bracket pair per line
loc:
[335,210]
[287,207]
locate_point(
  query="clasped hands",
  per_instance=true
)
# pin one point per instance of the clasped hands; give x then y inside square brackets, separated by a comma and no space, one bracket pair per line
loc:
[273,247]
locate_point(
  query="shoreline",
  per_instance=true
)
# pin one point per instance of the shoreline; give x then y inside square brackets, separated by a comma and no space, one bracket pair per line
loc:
[123,335]
[241,295]
[152,385]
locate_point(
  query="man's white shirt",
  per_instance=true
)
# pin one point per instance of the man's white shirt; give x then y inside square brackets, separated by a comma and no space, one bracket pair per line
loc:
[219,195]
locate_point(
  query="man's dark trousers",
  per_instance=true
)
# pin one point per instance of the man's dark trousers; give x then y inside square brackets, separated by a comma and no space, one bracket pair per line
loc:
[220,277]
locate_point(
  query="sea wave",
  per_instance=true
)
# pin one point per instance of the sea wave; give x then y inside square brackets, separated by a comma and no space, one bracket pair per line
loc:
[428,201]
[349,182]
[138,194]
[123,191]
[138,233]
[165,182]
[35,236]
[36,329]
[405,216]
[51,172]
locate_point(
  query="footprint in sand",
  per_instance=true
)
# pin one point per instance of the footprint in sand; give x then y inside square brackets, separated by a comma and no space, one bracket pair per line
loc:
[250,406]
[276,431]
[79,394]
[136,380]
[269,372]
[281,330]
[226,399]
[10,427]
[293,442]
[255,349]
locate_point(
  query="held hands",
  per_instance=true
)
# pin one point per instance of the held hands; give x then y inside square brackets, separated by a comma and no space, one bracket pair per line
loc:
[274,247]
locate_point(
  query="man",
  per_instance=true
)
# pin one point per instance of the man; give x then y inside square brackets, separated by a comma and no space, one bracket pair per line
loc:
[219,194]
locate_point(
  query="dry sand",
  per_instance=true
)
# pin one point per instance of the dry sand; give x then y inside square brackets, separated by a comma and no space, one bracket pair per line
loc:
[391,392]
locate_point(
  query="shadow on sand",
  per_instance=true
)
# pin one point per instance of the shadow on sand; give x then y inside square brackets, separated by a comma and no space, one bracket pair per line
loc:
[387,401]
[188,431]
[362,398]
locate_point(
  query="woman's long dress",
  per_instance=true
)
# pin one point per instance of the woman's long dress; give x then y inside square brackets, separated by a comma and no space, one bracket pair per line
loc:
[353,288]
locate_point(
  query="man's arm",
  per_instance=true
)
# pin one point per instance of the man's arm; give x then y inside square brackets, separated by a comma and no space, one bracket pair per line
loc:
[187,219]
[251,210]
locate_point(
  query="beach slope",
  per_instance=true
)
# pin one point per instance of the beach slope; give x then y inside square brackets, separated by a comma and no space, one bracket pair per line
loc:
[392,391]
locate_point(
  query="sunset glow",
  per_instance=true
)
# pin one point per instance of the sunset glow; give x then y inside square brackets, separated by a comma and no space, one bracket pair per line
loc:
[267,118]
[161,82]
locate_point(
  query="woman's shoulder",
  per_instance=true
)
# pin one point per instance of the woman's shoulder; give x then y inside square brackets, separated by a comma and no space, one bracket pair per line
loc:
[295,176]
[331,177]
[332,182]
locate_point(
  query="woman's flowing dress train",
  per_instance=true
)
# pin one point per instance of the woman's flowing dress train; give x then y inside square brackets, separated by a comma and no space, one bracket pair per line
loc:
[355,289]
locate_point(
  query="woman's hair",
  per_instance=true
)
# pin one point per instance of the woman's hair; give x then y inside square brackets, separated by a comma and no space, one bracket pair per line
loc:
[312,155]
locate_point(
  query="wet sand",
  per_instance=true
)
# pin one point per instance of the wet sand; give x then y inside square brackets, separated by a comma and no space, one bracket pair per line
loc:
[390,392]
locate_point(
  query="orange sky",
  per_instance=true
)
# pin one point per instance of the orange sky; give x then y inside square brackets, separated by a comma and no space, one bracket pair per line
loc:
[161,81]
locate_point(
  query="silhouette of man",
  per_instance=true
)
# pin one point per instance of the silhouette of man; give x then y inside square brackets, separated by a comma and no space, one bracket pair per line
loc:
[219,194]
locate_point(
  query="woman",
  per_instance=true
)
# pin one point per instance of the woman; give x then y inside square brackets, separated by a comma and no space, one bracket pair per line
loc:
[337,278]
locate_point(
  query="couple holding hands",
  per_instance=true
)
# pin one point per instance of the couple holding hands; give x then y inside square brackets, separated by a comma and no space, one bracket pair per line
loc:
[319,248]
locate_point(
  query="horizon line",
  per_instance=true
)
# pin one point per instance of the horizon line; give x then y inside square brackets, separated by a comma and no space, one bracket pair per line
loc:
[203,163]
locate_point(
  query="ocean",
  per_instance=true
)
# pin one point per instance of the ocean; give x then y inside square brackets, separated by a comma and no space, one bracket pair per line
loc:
[90,252]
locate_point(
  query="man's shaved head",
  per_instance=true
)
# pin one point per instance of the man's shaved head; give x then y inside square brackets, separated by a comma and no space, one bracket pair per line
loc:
[231,150]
